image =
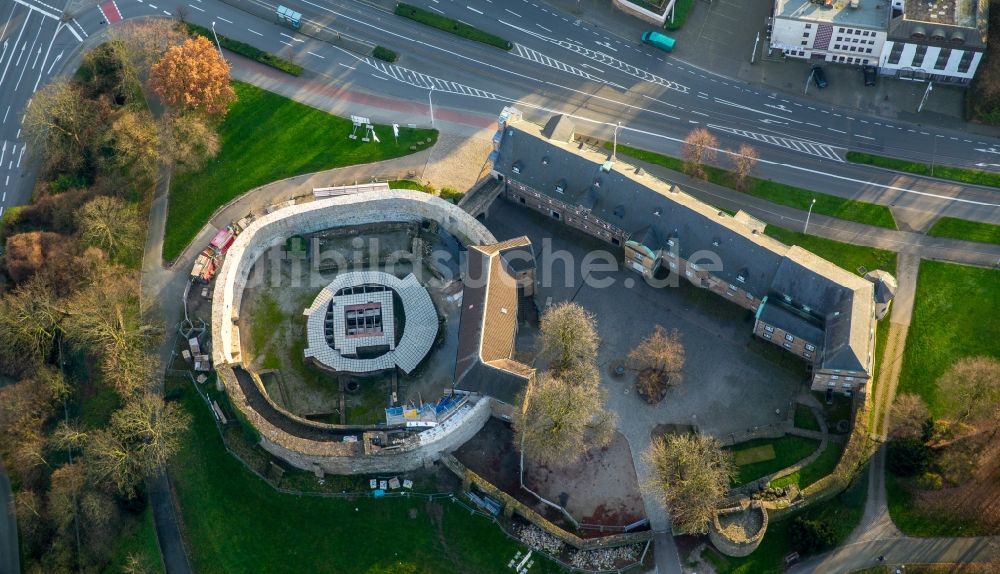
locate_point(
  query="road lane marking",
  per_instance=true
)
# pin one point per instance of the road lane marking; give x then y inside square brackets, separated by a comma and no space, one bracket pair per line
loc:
[480,12]
[317,55]
[224,20]
[838,131]
[16,42]
[196,8]
[861,136]
[255,31]
[512,12]
[345,65]
[543,27]
[292,38]
[285,43]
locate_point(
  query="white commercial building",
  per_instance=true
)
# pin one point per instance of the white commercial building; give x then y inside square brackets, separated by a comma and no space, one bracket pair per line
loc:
[941,41]
[938,40]
[843,31]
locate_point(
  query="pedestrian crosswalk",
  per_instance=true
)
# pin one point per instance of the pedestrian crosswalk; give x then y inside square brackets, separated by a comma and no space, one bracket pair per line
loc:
[802,146]
[540,58]
[426,82]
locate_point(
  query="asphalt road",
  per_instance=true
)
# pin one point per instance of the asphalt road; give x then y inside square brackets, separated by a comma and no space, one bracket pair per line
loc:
[9,551]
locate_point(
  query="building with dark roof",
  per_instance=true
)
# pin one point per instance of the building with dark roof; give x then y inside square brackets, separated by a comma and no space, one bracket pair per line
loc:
[803,303]
[497,277]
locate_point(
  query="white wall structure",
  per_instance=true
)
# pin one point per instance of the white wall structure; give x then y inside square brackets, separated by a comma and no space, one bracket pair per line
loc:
[334,456]
[922,62]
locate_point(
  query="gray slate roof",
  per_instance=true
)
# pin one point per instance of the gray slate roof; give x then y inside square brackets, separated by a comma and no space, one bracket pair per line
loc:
[654,212]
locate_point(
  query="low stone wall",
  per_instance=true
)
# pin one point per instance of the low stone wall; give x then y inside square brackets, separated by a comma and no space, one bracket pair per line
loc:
[333,457]
[515,506]
[730,545]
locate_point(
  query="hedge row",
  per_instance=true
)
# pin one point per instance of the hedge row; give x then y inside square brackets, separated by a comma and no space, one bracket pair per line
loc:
[243,49]
[449,25]
[385,54]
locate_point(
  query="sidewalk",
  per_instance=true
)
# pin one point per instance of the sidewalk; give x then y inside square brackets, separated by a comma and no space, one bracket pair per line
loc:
[718,36]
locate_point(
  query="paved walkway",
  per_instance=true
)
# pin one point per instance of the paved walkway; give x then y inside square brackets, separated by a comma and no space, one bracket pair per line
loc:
[10,554]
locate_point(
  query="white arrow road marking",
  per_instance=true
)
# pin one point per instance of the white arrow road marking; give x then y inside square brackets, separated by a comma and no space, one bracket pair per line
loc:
[988,150]
[988,164]
[58,57]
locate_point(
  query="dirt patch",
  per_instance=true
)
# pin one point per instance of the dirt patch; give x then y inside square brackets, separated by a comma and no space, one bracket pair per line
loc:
[601,489]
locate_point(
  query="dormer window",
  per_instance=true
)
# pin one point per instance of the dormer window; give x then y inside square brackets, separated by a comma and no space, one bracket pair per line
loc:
[741,278]
[787,298]
[545,160]
[561,186]
[715,241]
[806,308]
[597,182]
[516,167]
[658,211]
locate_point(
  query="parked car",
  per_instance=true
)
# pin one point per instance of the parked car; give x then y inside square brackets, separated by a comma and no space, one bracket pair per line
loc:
[658,40]
[870,73]
[819,77]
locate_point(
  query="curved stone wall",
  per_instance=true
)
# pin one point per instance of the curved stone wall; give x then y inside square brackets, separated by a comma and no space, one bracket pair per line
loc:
[306,452]
[343,211]
[737,546]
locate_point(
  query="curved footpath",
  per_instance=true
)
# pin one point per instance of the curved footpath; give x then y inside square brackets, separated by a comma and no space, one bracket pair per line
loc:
[163,288]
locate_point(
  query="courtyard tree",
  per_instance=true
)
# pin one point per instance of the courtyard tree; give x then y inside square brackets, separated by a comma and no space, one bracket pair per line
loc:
[560,421]
[188,141]
[659,360]
[111,224]
[140,439]
[193,76]
[744,161]
[568,336]
[691,475]
[909,417]
[698,149]
[970,391]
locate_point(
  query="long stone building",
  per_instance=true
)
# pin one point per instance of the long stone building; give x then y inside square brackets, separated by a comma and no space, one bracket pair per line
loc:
[802,303]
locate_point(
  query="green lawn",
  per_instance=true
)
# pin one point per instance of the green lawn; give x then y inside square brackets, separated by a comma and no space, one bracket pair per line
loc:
[959,174]
[968,230]
[804,418]
[845,255]
[954,316]
[787,451]
[817,469]
[782,194]
[235,523]
[681,10]
[138,539]
[842,512]
[267,137]
[908,517]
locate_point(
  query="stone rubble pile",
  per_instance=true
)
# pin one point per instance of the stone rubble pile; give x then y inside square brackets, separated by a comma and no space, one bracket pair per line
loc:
[536,538]
[605,558]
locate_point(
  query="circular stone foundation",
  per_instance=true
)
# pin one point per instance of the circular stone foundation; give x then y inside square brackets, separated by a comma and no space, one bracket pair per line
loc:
[351,325]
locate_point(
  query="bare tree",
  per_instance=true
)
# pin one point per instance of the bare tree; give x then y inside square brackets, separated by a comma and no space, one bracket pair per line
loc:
[970,391]
[140,44]
[659,359]
[66,486]
[691,476]
[29,320]
[140,439]
[134,142]
[908,417]
[744,161]
[188,141]
[699,148]
[105,318]
[560,421]
[568,336]
[62,125]
[111,224]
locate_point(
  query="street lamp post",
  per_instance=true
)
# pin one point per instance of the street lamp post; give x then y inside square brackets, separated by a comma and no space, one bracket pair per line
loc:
[614,147]
[430,102]
[217,45]
[808,215]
